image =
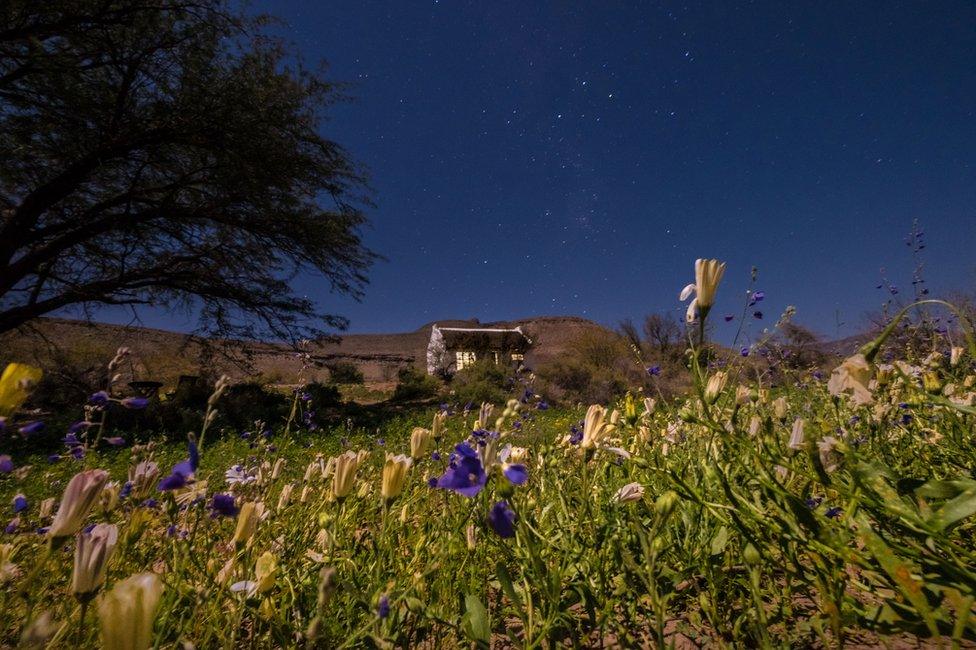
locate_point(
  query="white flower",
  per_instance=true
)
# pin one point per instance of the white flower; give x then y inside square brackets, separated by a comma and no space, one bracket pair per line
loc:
[708,273]
[852,376]
[238,475]
[796,438]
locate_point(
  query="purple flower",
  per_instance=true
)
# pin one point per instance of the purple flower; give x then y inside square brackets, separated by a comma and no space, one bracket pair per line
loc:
[516,474]
[149,503]
[653,371]
[223,504]
[757,315]
[20,503]
[78,427]
[135,403]
[126,490]
[99,399]
[53,458]
[758,296]
[834,513]
[435,456]
[78,452]
[813,502]
[6,465]
[380,441]
[116,441]
[31,428]
[543,405]
[11,527]
[182,471]
[383,607]
[502,518]
[432,482]
[729,317]
[744,351]
[465,476]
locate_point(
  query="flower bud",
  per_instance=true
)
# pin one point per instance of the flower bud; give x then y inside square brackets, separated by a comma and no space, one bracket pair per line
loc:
[666,503]
[394,476]
[79,497]
[932,383]
[92,552]
[265,571]
[630,492]
[344,476]
[714,386]
[420,442]
[955,355]
[780,408]
[247,522]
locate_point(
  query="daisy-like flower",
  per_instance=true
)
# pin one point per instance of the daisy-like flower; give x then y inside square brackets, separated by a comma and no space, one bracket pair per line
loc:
[238,475]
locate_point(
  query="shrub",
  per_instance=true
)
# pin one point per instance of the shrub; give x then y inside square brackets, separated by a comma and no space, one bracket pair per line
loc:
[242,404]
[483,381]
[323,395]
[412,384]
[345,372]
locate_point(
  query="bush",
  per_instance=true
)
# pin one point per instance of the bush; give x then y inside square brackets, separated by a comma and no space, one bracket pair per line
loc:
[483,381]
[323,395]
[242,404]
[412,384]
[345,372]
[597,368]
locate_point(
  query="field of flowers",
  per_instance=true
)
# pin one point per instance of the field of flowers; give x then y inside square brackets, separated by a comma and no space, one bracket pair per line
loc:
[824,510]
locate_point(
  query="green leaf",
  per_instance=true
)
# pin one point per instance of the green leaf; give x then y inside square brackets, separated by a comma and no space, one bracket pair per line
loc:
[505,579]
[476,619]
[944,489]
[720,540]
[955,510]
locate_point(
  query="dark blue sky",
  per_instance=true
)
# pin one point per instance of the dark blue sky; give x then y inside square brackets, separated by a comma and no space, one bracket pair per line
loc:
[538,158]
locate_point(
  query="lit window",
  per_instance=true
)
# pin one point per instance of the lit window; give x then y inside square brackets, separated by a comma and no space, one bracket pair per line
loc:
[518,356]
[464,359]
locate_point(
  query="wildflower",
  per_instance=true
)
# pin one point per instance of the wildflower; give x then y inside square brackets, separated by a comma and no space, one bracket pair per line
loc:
[758,296]
[142,477]
[383,606]
[116,441]
[46,508]
[629,492]
[708,274]
[516,473]
[852,376]
[276,471]
[247,522]
[595,427]
[834,513]
[502,519]
[955,355]
[15,385]
[465,475]
[830,454]
[12,526]
[394,476]
[742,394]
[757,315]
[237,475]
[654,371]
[100,398]
[108,498]
[31,428]
[265,572]
[79,497]
[19,503]
[666,503]
[223,504]
[135,403]
[344,476]
[729,318]
[420,439]
[715,386]
[796,437]
[6,465]
[127,612]
[744,351]
[92,552]
[780,408]
[182,472]
[285,496]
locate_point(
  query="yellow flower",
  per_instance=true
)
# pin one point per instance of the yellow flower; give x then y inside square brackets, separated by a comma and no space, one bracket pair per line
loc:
[437,427]
[265,572]
[852,376]
[394,476]
[955,355]
[247,522]
[780,408]
[15,386]
[127,612]
[344,476]
[419,442]
[92,552]
[109,497]
[79,497]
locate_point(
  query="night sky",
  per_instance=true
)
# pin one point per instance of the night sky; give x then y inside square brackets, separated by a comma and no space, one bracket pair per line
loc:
[553,159]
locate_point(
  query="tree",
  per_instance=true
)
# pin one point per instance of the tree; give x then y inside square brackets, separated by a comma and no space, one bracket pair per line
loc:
[662,331]
[169,153]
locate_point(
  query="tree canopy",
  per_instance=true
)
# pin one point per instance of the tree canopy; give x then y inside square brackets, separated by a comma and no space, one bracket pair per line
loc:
[169,153]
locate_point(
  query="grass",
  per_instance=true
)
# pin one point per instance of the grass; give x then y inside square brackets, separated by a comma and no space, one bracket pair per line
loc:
[736,529]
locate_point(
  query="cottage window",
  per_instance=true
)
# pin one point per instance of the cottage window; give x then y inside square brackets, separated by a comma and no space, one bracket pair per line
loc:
[518,356]
[463,359]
